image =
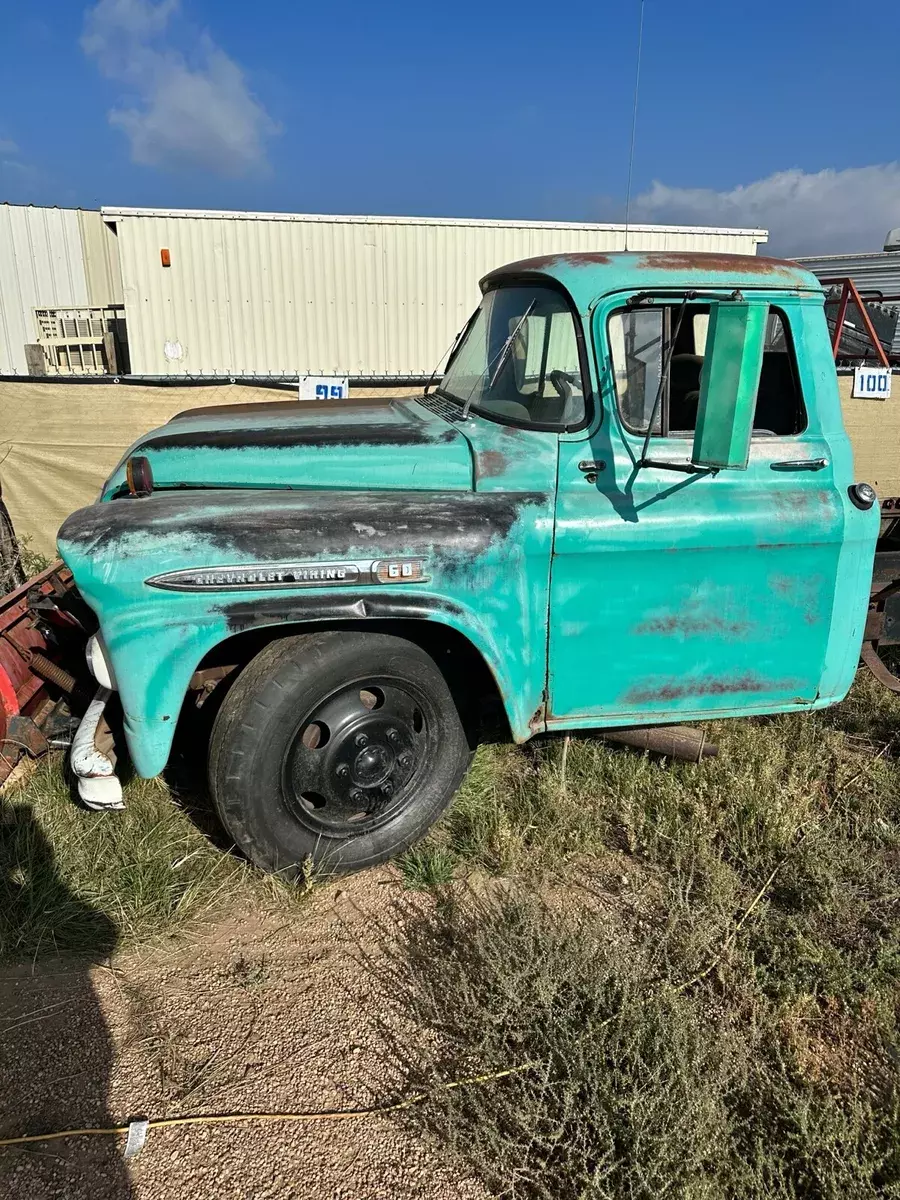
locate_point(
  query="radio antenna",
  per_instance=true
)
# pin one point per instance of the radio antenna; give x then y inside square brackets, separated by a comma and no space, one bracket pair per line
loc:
[637,84]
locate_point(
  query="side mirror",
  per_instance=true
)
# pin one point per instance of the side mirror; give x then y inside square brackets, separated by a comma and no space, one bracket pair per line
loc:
[729,382]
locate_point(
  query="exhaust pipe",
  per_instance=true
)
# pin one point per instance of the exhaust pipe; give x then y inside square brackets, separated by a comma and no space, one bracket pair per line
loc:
[673,741]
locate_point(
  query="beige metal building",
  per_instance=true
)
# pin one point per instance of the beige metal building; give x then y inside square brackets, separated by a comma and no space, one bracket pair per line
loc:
[193,294]
[259,294]
[60,292]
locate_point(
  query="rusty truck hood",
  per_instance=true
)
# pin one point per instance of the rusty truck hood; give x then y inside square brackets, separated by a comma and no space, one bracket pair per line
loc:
[348,444]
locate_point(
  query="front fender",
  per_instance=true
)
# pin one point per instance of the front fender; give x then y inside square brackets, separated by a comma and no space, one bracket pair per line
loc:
[486,561]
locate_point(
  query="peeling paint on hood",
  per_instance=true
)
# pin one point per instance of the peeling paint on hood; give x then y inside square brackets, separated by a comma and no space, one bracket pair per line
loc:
[289,444]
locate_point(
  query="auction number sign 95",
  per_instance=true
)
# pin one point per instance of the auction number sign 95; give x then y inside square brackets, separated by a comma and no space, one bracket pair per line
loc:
[871,383]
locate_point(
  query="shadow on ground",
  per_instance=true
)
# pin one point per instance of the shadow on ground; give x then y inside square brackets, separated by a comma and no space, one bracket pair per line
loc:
[56,1052]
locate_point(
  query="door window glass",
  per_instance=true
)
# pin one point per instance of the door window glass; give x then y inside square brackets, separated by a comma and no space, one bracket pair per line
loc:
[519,360]
[639,339]
[636,338]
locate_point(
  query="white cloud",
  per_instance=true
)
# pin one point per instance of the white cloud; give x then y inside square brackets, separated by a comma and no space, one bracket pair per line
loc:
[111,24]
[195,113]
[823,212]
[7,146]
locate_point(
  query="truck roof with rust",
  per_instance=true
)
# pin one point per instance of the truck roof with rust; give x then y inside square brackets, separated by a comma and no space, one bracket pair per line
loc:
[587,275]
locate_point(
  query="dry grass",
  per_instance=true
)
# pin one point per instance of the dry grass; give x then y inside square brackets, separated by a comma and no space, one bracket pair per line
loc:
[76,881]
[702,962]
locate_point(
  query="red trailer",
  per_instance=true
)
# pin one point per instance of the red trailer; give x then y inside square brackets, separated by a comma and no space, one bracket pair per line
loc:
[43,631]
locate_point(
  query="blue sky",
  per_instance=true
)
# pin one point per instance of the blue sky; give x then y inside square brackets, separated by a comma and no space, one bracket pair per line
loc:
[470,109]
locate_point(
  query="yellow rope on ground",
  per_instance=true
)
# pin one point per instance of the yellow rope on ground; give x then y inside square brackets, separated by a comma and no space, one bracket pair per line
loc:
[234,1118]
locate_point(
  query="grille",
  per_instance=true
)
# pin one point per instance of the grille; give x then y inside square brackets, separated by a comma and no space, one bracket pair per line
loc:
[442,408]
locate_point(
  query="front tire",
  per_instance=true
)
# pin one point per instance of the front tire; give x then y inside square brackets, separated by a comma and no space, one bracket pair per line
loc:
[339,748]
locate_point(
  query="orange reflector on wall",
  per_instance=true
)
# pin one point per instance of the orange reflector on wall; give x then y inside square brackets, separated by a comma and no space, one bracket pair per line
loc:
[165,257]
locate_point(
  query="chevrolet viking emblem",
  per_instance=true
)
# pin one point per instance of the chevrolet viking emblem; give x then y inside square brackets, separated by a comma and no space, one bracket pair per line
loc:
[266,577]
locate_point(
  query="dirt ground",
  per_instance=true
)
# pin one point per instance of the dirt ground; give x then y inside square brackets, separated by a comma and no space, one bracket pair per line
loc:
[253,1014]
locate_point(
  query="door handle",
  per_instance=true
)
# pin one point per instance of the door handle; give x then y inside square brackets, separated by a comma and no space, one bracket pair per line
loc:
[800,464]
[590,468]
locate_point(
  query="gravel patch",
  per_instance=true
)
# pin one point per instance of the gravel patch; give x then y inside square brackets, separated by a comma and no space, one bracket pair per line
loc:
[252,1015]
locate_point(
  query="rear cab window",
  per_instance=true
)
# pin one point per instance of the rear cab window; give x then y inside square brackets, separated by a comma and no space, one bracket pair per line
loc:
[639,339]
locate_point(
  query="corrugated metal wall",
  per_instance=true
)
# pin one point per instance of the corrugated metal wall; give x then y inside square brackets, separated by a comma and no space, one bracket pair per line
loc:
[101,259]
[260,294]
[878,271]
[881,270]
[41,266]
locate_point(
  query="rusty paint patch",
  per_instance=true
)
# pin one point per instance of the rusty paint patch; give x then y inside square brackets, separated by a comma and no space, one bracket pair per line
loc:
[673,689]
[804,592]
[780,269]
[489,463]
[539,716]
[797,504]
[746,264]
[544,262]
[694,626]
[784,585]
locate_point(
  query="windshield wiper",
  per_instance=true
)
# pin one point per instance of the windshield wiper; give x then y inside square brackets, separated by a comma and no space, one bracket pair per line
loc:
[501,359]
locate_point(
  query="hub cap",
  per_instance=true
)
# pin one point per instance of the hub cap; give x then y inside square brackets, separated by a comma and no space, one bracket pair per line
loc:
[357,756]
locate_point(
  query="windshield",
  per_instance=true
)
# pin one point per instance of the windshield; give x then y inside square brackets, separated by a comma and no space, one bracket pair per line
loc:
[519,360]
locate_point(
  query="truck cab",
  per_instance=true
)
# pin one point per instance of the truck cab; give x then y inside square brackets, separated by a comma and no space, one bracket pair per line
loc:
[629,502]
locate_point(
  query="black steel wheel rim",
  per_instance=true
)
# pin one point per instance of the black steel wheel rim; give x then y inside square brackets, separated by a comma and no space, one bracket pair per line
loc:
[358,755]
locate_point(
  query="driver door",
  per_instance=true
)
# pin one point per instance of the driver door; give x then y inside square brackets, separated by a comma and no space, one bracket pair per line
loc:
[678,594]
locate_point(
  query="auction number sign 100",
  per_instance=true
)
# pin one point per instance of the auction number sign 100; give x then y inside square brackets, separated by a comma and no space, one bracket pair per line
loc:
[871,383]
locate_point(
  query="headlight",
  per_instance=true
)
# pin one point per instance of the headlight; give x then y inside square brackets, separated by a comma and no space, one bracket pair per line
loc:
[98,662]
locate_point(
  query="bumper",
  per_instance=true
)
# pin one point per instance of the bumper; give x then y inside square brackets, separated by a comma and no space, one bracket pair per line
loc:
[93,757]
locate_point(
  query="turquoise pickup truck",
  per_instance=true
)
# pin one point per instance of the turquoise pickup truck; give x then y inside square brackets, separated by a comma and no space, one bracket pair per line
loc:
[629,503]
